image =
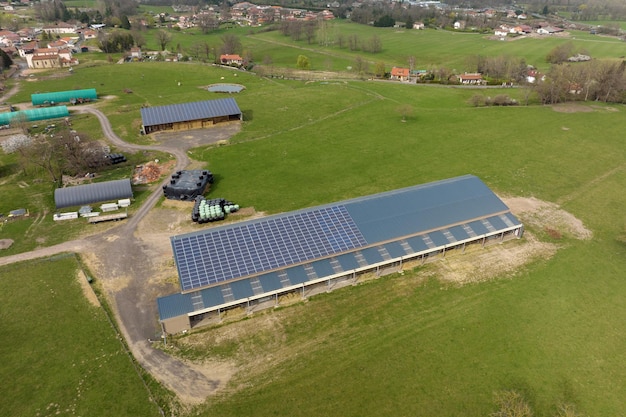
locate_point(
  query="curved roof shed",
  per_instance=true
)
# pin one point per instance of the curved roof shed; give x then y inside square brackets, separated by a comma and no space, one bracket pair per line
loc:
[31,115]
[63,96]
[92,193]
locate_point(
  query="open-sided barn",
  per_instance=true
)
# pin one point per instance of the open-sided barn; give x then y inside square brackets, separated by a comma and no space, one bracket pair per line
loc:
[187,116]
[251,263]
[92,193]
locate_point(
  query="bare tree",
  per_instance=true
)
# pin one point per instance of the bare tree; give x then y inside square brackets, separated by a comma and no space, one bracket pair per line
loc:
[163,38]
[560,53]
[375,44]
[310,29]
[194,50]
[230,44]
[361,66]
[324,33]
[138,38]
[353,42]
[341,40]
[411,61]
[405,110]
[207,22]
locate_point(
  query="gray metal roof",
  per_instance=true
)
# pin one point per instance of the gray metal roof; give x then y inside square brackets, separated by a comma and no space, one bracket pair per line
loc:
[394,224]
[92,193]
[183,112]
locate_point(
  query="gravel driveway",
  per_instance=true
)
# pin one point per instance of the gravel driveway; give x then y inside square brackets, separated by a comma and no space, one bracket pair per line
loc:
[126,266]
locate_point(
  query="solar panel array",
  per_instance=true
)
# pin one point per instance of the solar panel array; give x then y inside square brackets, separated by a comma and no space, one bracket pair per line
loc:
[212,257]
[183,112]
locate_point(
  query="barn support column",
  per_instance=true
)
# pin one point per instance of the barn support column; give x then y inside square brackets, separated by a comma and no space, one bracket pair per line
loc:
[463,247]
[483,244]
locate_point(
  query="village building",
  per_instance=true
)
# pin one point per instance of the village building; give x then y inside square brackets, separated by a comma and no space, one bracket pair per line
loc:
[471,79]
[400,74]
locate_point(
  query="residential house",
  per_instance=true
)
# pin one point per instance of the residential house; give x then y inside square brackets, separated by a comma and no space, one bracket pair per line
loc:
[135,52]
[549,30]
[418,25]
[501,31]
[471,79]
[231,59]
[28,48]
[44,58]
[8,38]
[400,74]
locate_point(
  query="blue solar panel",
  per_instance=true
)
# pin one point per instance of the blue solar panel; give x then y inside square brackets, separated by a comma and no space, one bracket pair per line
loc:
[395,249]
[438,238]
[372,255]
[270,282]
[458,232]
[297,275]
[478,228]
[323,268]
[241,289]
[214,256]
[512,218]
[497,222]
[212,296]
[417,243]
[348,262]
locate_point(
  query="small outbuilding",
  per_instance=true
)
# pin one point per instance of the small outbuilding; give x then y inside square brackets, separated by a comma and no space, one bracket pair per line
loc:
[80,195]
[186,116]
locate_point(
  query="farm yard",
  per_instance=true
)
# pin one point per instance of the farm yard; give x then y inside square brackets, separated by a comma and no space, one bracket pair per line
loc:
[541,316]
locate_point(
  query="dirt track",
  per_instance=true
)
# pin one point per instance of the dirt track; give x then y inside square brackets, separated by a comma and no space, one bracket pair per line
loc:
[125,265]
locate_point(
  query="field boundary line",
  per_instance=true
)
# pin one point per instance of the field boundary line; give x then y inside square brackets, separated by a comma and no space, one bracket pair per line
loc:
[575,194]
[313,122]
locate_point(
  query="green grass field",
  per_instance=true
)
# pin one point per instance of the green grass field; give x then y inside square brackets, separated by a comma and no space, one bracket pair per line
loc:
[400,345]
[431,48]
[60,355]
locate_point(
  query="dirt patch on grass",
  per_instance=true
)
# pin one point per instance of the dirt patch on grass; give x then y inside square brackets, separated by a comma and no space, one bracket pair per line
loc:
[5,243]
[572,108]
[545,215]
[90,295]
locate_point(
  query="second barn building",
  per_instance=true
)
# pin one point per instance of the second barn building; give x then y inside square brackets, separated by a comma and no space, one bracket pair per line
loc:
[186,116]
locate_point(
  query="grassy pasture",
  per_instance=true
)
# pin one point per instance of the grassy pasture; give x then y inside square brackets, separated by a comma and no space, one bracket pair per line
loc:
[60,355]
[400,345]
[431,48]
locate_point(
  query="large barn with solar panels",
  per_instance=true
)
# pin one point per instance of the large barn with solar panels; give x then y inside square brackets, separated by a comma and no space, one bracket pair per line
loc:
[185,116]
[250,264]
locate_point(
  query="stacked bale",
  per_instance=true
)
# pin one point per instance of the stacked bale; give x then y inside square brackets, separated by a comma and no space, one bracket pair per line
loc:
[211,210]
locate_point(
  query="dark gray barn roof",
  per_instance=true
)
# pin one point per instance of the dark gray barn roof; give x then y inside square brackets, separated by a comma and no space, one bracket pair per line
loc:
[183,112]
[248,259]
[92,193]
